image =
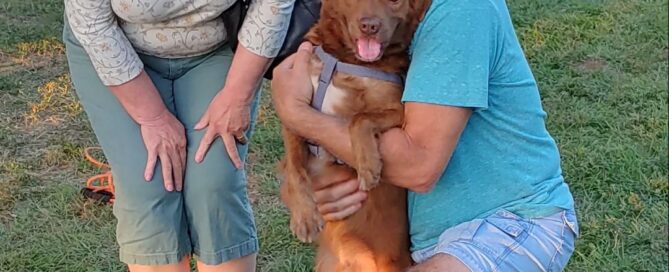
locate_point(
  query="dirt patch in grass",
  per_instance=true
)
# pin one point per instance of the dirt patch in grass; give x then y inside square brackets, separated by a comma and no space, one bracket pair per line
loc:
[57,103]
[32,56]
[592,65]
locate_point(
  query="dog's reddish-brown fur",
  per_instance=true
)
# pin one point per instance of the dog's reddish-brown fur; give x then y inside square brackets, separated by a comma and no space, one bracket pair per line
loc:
[376,237]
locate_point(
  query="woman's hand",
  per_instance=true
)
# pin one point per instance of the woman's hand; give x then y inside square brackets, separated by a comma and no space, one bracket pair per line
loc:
[165,139]
[163,135]
[228,117]
[337,196]
[229,113]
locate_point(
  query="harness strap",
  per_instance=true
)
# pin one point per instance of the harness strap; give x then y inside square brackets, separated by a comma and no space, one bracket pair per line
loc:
[329,67]
[332,64]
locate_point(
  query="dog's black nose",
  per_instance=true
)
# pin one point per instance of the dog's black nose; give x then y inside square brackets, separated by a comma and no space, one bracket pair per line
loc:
[370,25]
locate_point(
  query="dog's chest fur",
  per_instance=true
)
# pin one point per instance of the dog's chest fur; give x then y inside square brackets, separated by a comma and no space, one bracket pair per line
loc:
[347,95]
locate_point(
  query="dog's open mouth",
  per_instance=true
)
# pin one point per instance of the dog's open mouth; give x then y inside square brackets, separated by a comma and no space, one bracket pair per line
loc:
[369,49]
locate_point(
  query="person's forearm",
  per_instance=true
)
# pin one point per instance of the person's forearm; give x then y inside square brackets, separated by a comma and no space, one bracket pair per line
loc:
[401,156]
[245,73]
[140,98]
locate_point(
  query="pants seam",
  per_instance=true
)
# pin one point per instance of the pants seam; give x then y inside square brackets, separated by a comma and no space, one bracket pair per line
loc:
[559,248]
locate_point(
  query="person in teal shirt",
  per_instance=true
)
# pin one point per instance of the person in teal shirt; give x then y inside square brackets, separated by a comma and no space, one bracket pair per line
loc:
[486,187]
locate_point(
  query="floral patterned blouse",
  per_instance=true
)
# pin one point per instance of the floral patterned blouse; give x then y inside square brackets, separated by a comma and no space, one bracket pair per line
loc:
[113,31]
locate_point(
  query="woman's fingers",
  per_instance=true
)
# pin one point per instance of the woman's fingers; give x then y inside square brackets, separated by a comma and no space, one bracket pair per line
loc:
[177,169]
[150,164]
[343,203]
[231,148]
[183,156]
[204,121]
[336,191]
[166,166]
[343,213]
[206,141]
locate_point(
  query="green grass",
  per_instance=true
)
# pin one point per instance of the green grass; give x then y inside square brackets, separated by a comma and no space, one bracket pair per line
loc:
[601,66]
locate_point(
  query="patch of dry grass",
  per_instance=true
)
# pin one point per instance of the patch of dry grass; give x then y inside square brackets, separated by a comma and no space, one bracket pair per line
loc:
[57,103]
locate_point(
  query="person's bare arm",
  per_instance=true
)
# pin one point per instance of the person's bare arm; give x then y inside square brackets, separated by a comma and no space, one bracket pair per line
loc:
[260,39]
[140,98]
[414,156]
[229,114]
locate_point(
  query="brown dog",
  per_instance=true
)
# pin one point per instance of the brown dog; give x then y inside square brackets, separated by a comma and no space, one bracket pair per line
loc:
[375,34]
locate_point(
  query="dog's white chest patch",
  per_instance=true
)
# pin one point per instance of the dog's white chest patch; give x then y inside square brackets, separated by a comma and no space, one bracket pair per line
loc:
[333,97]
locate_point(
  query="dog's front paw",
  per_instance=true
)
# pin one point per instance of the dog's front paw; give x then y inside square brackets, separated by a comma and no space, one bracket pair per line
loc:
[306,225]
[368,179]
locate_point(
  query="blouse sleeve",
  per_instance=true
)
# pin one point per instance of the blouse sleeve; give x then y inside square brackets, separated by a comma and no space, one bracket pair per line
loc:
[94,25]
[265,26]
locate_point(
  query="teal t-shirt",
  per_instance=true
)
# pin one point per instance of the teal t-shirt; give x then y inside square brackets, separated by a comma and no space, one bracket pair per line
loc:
[465,53]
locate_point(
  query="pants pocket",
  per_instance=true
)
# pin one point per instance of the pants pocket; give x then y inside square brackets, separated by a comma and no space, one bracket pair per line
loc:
[508,222]
[501,233]
[571,221]
[569,235]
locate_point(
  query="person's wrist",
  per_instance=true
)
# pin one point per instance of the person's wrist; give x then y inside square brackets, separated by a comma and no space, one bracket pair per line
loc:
[155,119]
[239,95]
[293,114]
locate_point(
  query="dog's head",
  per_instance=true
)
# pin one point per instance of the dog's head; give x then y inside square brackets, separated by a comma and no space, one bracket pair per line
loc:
[370,28]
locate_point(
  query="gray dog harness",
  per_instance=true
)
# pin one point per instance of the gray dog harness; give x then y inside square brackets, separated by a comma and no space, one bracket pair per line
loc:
[332,65]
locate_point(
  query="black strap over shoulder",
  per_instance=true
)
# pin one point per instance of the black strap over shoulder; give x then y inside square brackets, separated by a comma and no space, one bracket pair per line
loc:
[305,15]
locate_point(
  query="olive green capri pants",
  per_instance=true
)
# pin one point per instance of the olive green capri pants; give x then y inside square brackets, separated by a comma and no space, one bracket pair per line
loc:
[211,218]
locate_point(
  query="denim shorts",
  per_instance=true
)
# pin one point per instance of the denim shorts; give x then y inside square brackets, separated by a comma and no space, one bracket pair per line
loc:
[506,242]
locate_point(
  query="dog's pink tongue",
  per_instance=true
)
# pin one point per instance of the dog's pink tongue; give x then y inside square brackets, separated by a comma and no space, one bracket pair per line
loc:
[369,49]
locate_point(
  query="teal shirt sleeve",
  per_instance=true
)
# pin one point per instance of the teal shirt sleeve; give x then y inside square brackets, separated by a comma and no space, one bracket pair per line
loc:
[453,53]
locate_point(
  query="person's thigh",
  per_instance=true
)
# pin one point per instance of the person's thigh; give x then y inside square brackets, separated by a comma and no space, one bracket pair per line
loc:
[221,221]
[506,242]
[151,227]
[440,263]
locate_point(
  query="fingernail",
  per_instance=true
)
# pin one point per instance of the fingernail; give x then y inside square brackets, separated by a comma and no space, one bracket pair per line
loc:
[170,188]
[147,177]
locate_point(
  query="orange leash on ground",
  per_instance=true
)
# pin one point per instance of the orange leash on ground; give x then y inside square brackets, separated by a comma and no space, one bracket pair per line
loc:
[99,187]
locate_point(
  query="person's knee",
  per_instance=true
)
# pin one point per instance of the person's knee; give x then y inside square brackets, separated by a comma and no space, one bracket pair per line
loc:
[182,266]
[440,263]
[215,175]
[214,181]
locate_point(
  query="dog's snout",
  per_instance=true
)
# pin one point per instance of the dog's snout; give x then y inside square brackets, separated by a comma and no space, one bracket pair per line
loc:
[370,25]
